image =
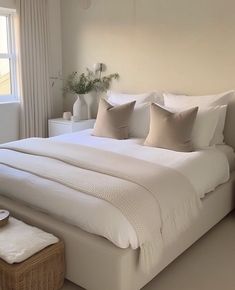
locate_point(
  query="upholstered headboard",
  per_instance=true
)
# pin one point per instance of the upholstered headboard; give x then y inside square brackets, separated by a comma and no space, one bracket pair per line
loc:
[230,124]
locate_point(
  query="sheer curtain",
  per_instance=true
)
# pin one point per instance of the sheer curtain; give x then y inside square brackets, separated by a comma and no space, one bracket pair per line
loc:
[36,103]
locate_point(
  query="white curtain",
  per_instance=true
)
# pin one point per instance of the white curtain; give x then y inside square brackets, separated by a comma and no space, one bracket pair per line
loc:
[33,68]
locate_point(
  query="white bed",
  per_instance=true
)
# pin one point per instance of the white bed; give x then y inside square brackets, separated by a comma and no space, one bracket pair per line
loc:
[207,170]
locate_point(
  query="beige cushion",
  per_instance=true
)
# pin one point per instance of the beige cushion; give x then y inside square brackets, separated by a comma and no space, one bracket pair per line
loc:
[171,130]
[113,121]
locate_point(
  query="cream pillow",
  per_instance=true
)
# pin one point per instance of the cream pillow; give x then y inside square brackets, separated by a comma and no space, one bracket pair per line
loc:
[171,130]
[183,101]
[113,121]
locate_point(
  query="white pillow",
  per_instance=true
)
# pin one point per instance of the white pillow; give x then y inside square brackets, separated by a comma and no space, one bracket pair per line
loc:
[218,137]
[140,118]
[177,101]
[183,101]
[229,152]
[140,121]
[121,98]
[204,126]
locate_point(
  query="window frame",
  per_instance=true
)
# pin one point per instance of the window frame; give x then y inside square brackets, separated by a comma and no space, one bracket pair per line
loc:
[10,55]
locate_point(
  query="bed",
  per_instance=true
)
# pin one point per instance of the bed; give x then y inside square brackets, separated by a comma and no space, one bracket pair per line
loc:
[94,262]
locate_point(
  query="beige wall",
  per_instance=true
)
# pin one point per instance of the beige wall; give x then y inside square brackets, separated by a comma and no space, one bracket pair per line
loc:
[181,46]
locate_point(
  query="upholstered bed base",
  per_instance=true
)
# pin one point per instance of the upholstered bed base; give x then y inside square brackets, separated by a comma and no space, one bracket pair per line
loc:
[95,264]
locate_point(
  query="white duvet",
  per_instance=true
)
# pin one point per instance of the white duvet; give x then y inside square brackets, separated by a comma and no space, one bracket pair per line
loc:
[205,169]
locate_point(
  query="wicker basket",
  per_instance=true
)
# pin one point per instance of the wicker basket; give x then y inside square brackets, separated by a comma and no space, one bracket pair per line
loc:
[43,271]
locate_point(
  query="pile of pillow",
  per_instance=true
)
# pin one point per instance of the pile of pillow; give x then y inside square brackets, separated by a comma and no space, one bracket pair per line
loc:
[175,122]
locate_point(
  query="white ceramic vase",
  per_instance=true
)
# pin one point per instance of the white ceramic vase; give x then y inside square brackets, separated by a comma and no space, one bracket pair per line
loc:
[80,110]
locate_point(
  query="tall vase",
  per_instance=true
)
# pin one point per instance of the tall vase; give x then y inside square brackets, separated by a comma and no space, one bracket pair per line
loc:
[80,110]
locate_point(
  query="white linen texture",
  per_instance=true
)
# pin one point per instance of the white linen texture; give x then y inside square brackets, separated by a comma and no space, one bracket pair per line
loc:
[139,189]
[204,126]
[33,70]
[184,101]
[205,170]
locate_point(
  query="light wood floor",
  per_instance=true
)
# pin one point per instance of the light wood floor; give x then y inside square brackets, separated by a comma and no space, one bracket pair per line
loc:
[207,265]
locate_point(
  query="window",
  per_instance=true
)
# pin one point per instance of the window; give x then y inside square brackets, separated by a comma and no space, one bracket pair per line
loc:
[8,82]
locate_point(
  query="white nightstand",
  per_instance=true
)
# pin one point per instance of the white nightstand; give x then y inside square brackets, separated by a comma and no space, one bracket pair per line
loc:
[60,126]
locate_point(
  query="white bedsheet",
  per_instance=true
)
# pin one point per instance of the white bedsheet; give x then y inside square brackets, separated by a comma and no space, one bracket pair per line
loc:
[205,169]
[229,152]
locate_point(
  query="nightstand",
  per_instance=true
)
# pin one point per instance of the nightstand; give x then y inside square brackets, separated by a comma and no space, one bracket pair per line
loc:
[60,126]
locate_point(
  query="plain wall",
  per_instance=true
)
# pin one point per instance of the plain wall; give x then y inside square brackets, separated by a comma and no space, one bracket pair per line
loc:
[9,122]
[180,46]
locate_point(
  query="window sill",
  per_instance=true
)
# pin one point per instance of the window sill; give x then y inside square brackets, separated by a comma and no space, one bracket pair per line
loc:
[9,101]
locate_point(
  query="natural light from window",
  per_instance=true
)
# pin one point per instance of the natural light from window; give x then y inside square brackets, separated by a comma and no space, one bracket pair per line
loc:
[5,83]
[7,59]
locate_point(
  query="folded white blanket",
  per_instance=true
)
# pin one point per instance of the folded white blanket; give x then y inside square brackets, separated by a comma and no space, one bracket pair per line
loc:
[159,202]
[19,241]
